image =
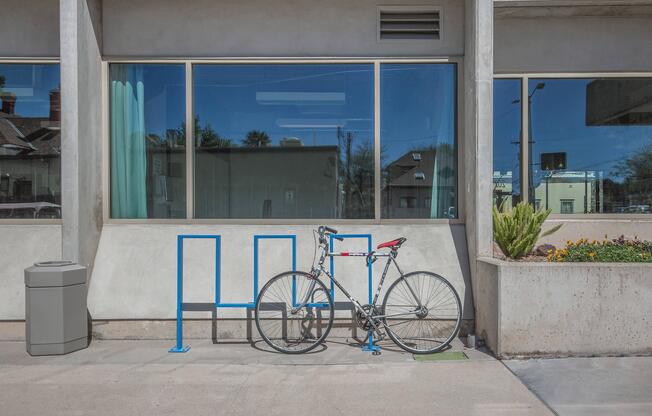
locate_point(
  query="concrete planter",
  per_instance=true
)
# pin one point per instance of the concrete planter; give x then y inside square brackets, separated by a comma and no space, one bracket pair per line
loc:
[563,309]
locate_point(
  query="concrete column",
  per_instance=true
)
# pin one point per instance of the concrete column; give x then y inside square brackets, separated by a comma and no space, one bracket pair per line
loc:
[81,128]
[478,127]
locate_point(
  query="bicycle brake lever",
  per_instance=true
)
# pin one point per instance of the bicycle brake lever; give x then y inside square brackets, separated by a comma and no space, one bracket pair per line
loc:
[371,258]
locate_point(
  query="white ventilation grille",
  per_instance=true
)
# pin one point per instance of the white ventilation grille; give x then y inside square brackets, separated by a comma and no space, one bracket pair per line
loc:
[409,23]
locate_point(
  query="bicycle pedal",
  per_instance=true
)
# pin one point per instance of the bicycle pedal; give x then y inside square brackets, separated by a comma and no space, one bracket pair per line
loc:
[375,353]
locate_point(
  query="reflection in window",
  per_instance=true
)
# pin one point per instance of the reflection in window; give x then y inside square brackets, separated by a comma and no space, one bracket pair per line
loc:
[283,141]
[592,144]
[418,140]
[506,147]
[148,141]
[30,141]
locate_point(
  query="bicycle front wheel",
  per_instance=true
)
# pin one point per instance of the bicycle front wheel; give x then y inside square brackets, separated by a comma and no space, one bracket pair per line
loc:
[294,312]
[422,312]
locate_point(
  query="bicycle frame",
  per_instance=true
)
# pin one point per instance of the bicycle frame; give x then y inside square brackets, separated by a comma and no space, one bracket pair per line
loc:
[318,270]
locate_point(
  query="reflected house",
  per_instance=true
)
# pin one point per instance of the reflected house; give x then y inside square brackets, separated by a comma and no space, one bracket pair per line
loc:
[570,192]
[561,191]
[285,181]
[408,189]
[30,149]
[502,192]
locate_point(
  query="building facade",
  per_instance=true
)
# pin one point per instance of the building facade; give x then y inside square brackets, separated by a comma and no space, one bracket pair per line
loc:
[127,123]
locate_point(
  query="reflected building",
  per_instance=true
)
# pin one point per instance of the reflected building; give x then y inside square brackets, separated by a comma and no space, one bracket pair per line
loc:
[408,185]
[30,149]
[285,181]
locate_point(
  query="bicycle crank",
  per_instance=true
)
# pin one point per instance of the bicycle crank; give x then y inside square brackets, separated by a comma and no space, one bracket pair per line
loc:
[368,322]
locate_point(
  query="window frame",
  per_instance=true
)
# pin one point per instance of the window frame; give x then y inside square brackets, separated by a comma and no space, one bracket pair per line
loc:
[34,221]
[525,77]
[190,219]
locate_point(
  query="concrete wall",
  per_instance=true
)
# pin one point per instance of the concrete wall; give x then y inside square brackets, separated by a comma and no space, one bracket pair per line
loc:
[263,28]
[20,247]
[542,309]
[578,43]
[81,128]
[30,28]
[135,269]
[596,229]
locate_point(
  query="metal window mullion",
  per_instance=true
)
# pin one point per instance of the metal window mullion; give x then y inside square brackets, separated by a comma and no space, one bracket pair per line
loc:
[377,199]
[525,140]
[190,144]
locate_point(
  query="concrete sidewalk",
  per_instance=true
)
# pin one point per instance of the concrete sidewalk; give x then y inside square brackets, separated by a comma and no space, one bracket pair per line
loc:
[141,377]
[590,386]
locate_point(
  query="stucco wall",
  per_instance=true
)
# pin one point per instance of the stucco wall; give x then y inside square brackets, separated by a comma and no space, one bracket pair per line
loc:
[30,28]
[262,28]
[20,247]
[570,44]
[135,268]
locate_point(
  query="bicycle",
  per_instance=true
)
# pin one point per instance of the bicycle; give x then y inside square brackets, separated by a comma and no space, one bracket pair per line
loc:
[292,307]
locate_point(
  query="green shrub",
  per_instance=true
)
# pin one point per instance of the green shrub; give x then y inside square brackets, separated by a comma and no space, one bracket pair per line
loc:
[517,231]
[618,250]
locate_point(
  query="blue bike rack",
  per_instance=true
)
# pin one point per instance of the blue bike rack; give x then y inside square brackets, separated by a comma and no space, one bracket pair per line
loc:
[375,349]
[212,306]
[181,306]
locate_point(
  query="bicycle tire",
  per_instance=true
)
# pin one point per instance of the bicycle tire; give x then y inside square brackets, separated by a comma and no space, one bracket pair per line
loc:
[455,318]
[278,300]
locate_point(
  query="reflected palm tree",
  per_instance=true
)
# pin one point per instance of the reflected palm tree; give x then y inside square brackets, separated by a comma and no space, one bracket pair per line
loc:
[257,138]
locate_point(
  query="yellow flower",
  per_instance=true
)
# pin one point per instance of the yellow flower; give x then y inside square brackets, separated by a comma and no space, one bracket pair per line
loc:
[592,254]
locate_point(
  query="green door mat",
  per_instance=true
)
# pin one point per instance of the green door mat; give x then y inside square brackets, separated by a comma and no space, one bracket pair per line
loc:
[442,356]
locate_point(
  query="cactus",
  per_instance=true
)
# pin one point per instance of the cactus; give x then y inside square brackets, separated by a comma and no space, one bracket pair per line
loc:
[517,231]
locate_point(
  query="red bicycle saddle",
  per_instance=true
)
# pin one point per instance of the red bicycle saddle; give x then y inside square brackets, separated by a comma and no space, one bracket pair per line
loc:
[392,244]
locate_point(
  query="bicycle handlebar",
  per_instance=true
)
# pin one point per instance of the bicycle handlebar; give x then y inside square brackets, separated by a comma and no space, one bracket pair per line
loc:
[330,230]
[325,229]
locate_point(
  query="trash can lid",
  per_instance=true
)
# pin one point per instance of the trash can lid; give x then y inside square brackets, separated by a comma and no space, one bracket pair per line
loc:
[54,263]
[55,274]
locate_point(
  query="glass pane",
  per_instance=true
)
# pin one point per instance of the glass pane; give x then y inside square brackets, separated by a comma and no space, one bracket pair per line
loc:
[283,141]
[148,140]
[418,140]
[592,144]
[30,141]
[507,142]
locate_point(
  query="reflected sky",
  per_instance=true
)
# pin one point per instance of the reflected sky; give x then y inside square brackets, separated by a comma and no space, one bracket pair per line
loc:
[32,85]
[308,102]
[507,125]
[559,124]
[418,105]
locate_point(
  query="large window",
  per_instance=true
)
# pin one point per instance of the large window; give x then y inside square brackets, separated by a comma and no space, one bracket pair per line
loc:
[30,141]
[589,145]
[284,141]
[507,143]
[418,140]
[148,139]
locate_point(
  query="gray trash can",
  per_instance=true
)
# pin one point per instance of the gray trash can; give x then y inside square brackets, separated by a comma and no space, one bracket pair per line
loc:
[55,308]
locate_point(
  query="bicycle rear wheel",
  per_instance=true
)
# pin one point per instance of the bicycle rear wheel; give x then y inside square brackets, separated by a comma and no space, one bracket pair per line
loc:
[422,312]
[283,324]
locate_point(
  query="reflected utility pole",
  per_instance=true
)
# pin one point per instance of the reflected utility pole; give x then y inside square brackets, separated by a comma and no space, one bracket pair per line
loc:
[530,184]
